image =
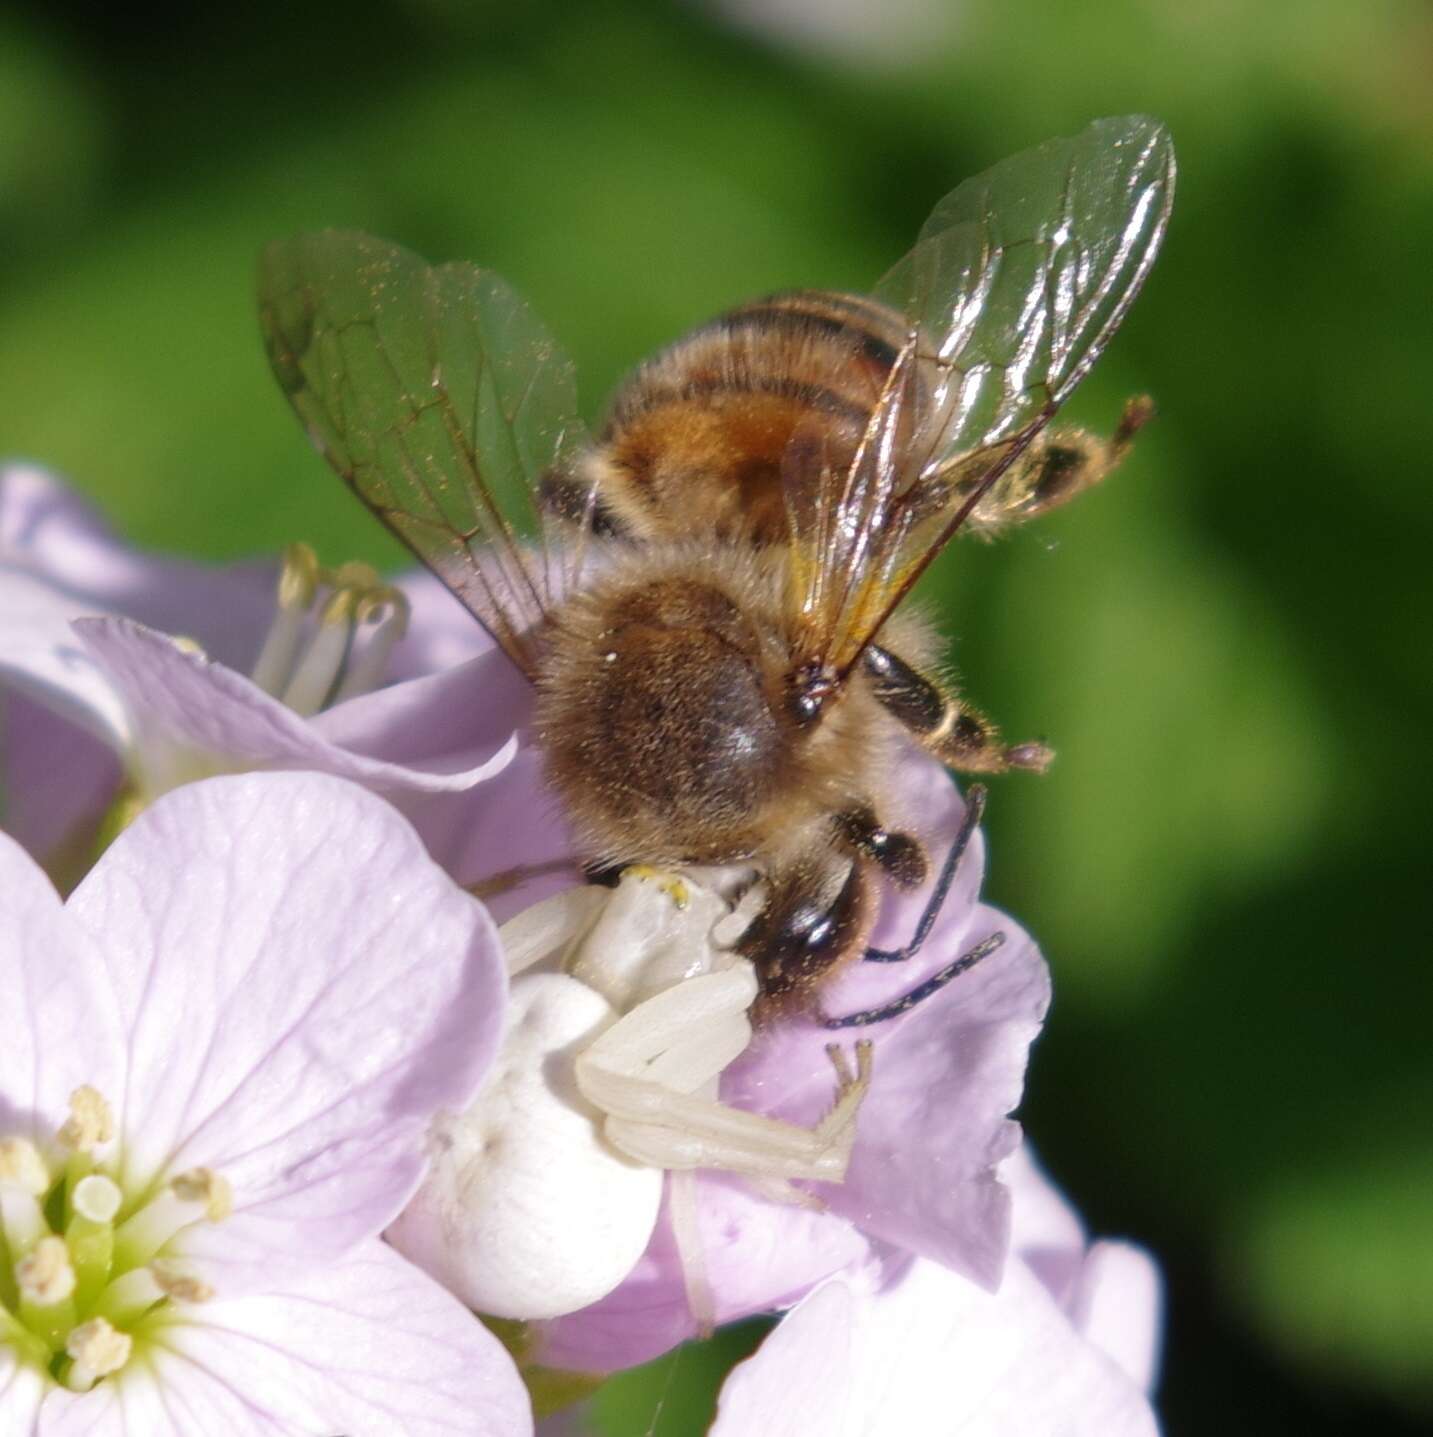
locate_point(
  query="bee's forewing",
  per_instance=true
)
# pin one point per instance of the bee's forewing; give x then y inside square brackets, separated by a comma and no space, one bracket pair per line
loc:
[441,400]
[1015,285]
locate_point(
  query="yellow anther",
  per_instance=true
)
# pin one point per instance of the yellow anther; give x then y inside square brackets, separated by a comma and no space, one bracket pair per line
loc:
[383,601]
[186,645]
[96,1347]
[22,1166]
[299,577]
[341,607]
[174,1282]
[206,1186]
[354,574]
[90,1122]
[669,883]
[46,1276]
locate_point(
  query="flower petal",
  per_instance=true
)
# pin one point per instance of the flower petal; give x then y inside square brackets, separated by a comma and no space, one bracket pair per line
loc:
[41,657]
[303,989]
[507,838]
[757,1256]
[61,1029]
[934,1353]
[56,779]
[368,1348]
[50,534]
[1118,1306]
[471,708]
[1046,1231]
[947,1071]
[197,704]
[22,1389]
[798,1381]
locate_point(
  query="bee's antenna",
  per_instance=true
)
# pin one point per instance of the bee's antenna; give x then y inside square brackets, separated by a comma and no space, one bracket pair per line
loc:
[922,991]
[974,809]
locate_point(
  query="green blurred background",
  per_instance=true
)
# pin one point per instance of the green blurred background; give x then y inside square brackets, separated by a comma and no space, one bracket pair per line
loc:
[1229,644]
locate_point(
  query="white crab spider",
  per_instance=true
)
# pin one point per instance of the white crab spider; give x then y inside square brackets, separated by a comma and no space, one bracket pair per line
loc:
[625,1007]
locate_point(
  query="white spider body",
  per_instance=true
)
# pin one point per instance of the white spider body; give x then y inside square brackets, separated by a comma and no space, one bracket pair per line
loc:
[626,1005]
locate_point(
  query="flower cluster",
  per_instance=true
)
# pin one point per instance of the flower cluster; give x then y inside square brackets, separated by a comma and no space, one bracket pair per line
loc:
[272,1023]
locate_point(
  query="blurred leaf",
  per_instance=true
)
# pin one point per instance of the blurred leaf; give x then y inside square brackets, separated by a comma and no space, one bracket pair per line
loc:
[1339,1268]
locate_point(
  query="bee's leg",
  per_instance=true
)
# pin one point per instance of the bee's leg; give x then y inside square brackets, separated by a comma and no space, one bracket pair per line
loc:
[1058,465]
[950,730]
[899,856]
[974,809]
[801,933]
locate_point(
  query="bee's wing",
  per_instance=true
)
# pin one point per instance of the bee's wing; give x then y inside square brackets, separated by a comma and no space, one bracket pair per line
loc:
[440,399]
[1015,285]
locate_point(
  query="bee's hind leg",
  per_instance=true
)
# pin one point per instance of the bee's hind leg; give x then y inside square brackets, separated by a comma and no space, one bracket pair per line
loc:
[946,727]
[1057,467]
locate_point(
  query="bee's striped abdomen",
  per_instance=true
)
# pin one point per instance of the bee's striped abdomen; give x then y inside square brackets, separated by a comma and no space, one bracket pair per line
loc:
[695,438]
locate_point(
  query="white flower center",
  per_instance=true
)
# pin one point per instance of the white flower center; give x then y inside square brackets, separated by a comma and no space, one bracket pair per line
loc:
[83,1274]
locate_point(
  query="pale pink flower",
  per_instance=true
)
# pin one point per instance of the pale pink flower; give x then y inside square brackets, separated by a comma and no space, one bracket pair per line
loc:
[910,1349]
[221,1058]
[97,689]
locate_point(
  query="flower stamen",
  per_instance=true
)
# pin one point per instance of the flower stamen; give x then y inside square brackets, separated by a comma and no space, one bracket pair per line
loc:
[199,1193]
[178,1282]
[335,666]
[299,575]
[95,1350]
[24,1180]
[90,1123]
[46,1276]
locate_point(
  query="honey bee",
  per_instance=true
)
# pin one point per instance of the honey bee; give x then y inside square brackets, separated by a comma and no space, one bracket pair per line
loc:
[708,595]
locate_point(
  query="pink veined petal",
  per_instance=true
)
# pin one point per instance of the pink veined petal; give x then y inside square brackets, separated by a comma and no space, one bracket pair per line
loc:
[367,1348]
[21,1391]
[471,708]
[303,989]
[947,1072]
[205,706]
[49,533]
[508,837]
[1118,1306]
[758,1256]
[936,1355]
[41,657]
[56,779]
[797,1383]
[1046,1231]
[441,633]
[60,1027]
